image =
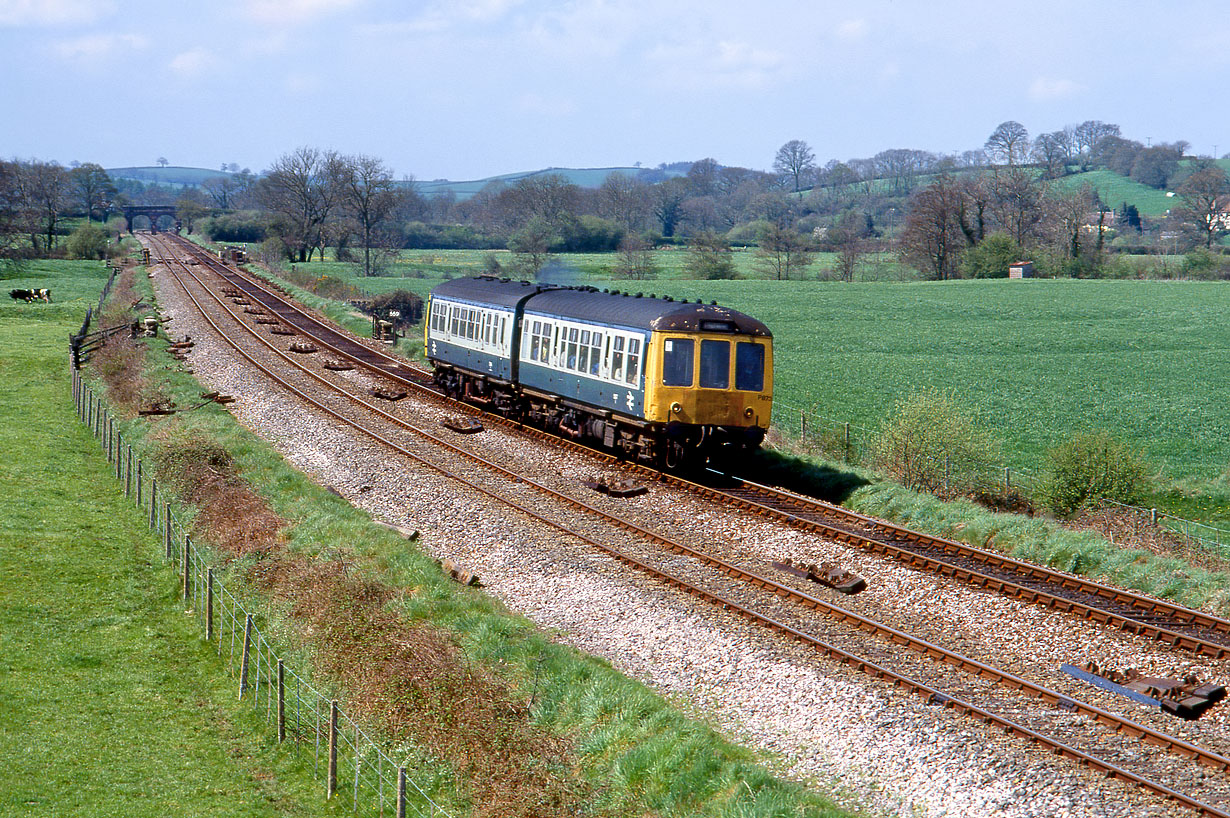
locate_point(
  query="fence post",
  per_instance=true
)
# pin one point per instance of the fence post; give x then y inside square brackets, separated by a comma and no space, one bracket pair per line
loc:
[209,605]
[849,454]
[401,792]
[281,702]
[1153,516]
[243,662]
[187,568]
[803,424]
[128,470]
[153,504]
[166,507]
[140,479]
[947,466]
[331,785]
[1007,479]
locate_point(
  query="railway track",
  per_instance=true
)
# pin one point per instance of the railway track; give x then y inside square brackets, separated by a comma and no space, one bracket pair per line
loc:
[1184,628]
[730,599]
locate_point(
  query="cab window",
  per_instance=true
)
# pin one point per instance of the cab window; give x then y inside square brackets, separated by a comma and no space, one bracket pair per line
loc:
[715,364]
[677,361]
[749,367]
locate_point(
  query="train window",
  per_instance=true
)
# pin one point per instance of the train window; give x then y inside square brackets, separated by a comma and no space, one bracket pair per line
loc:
[595,353]
[572,349]
[503,326]
[715,364]
[677,362]
[617,358]
[583,353]
[454,319]
[535,329]
[634,360]
[749,366]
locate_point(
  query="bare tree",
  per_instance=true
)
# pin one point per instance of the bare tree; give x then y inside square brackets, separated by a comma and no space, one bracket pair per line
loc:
[1052,151]
[371,196]
[93,188]
[1017,202]
[795,160]
[1086,136]
[1009,142]
[1203,198]
[851,245]
[636,259]
[624,200]
[784,252]
[45,189]
[933,237]
[302,190]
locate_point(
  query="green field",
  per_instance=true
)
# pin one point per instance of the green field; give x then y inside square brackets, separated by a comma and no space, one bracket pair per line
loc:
[110,702]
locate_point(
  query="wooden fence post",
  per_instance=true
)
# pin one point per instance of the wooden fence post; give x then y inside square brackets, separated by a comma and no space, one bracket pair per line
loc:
[209,605]
[281,702]
[187,567]
[401,792]
[331,786]
[243,662]
[153,504]
[1007,479]
[128,471]
[140,480]
[846,431]
[166,507]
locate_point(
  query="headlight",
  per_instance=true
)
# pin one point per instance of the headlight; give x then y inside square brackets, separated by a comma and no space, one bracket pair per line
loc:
[676,408]
[748,412]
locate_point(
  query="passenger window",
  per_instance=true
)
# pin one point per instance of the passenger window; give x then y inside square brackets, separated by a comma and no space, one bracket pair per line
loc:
[572,348]
[749,366]
[715,364]
[617,358]
[677,362]
[595,353]
[634,360]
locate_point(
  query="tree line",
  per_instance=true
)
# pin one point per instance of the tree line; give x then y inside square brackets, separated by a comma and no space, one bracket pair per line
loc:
[944,215]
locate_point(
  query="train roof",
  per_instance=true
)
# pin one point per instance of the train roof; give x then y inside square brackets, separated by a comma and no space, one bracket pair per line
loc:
[498,292]
[613,308]
[643,312]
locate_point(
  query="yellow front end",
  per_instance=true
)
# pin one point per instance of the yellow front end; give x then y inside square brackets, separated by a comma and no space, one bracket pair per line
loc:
[709,379]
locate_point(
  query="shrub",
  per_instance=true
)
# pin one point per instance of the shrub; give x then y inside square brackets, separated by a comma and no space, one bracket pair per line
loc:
[88,241]
[931,444]
[1087,467]
[991,258]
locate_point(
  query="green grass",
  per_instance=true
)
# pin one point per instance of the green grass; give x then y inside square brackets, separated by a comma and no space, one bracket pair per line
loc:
[110,702]
[1114,190]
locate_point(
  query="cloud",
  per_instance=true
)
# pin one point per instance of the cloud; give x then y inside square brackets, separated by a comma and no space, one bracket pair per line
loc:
[852,29]
[1044,89]
[97,48]
[192,63]
[52,12]
[294,12]
[723,64]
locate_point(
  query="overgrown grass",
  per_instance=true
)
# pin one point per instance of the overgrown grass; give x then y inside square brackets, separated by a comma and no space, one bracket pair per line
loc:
[110,702]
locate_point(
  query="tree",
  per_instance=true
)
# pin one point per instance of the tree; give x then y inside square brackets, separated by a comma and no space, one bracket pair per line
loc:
[1017,202]
[302,191]
[1156,165]
[624,200]
[1067,228]
[371,196]
[191,207]
[1052,150]
[709,257]
[796,161]
[933,236]
[224,189]
[636,260]
[1086,136]
[668,199]
[929,439]
[45,188]
[531,246]
[1009,142]
[1203,198]
[93,188]
[88,241]
[849,239]
[784,253]
[991,257]
[162,162]
[1088,467]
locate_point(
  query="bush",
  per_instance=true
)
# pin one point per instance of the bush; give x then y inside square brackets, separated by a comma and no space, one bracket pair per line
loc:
[1087,467]
[241,226]
[88,242]
[930,444]
[991,258]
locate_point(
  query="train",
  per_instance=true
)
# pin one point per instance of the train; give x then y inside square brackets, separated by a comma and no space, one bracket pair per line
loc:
[672,384]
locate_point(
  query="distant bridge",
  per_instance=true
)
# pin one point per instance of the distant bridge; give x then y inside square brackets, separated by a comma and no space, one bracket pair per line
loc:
[152,212]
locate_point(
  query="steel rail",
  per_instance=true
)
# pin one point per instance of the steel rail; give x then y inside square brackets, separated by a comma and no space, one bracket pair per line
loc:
[1019,580]
[1116,722]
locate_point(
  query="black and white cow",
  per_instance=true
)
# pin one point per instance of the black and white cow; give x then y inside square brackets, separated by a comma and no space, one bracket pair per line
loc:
[37,294]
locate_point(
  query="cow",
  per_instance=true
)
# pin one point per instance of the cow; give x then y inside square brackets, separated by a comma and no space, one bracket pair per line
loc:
[36,294]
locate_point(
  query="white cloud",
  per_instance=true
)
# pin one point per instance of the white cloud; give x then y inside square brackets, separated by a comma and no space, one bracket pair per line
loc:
[1044,89]
[96,48]
[290,12]
[52,12]
[192,63]
[852,29]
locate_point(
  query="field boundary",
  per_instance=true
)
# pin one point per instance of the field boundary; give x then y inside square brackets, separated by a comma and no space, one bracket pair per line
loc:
[851,443]
[345,756]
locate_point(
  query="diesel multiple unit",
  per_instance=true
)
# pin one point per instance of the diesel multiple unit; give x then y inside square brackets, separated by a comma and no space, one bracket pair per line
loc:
[663,381]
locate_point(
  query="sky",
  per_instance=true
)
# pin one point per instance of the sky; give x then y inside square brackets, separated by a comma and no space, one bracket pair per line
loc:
[466,89]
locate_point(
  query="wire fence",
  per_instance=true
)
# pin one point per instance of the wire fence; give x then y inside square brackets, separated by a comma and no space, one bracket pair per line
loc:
[853,444]
[350,762]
